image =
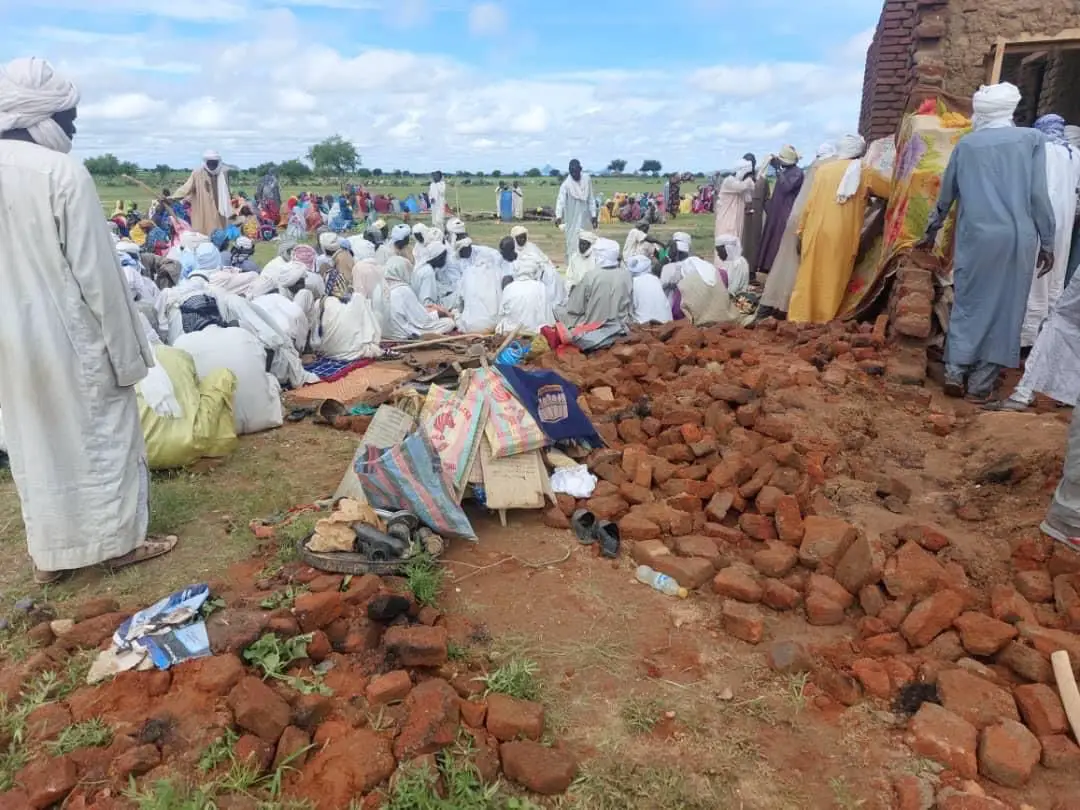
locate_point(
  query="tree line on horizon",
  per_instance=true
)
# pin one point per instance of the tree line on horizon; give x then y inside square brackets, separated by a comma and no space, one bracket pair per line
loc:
[333,157]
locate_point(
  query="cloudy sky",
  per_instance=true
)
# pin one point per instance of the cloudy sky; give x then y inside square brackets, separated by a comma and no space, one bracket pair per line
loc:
[453,84]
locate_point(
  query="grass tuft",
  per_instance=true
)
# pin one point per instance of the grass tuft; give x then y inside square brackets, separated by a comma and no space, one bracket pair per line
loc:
[516,678]
[93,733]
[640,716]
[425,578]
[218,752]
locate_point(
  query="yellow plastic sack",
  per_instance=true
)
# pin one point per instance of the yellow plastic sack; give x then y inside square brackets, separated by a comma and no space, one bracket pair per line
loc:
[206,426]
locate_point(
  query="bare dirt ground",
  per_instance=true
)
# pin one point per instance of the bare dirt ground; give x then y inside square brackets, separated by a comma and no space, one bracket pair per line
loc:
[660,706]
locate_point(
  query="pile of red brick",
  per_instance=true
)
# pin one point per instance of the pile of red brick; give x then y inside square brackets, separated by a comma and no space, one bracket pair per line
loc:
[397,700]
[712,473]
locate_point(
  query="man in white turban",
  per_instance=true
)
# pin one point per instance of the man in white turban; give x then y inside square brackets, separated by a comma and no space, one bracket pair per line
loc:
[553,281]
[997,173]
[732,198]
[71,345]
[397,245]
[455,230]
[605,294]
[478,295]
[524,306]
[208,190]
[696,290]
[651,305]
[575,209]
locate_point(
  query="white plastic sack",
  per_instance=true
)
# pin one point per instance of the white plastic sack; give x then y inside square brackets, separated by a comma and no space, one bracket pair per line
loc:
[576,481]
[258,394]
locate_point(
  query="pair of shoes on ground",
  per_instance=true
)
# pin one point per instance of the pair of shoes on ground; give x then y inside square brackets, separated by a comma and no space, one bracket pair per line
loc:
[589,530]
[148,549]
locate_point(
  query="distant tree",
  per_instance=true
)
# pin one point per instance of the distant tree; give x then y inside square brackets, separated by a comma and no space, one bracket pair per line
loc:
[162,170]
[376,172]
[396,173]
[264,168]
[293,170]
[335,156]
[618,166]
[554,173]
[653,166]
[496,173]
[129,168]
[107,165]
[365,173]
[534,173]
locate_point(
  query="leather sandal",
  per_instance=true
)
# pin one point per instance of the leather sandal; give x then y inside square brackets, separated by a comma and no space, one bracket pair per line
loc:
[148,549]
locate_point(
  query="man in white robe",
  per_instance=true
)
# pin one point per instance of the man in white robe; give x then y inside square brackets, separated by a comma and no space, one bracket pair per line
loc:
[396,246]
[437,199]
[553,280]
[605,296]
[524,306]
[1062,181]
[405,317]
[582,261]
[424,281]
[71,347]
[732,198]
[479,290]
[733,266]
[651,305]
[455,231]
[575,208]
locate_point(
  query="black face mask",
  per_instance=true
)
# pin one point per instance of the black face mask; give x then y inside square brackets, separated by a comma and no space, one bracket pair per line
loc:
[465,252]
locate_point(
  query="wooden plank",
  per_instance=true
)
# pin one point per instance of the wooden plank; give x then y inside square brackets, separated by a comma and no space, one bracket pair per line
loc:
[999,58]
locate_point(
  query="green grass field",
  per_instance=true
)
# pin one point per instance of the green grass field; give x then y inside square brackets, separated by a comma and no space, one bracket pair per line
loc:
[472,199]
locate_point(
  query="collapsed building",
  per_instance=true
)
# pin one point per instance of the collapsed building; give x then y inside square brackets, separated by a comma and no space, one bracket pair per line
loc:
[956,45]
[944,50]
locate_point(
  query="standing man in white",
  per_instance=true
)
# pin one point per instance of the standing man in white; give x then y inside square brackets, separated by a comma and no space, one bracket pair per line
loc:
[437,200]
[71,348]
[575,210]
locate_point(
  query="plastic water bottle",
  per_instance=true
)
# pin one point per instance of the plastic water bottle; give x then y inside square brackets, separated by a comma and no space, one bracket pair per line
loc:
[661,582]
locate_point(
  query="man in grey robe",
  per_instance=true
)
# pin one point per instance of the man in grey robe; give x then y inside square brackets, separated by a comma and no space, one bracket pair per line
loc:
[997,174]
[575,208]
[605,294]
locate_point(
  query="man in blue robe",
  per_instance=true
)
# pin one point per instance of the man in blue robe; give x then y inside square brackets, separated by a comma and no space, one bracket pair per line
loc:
[997,176]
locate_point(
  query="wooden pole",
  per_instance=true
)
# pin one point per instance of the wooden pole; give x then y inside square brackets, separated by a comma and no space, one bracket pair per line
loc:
[999,59]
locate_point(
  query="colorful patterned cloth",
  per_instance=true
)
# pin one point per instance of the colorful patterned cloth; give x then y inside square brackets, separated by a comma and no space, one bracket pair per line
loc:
[922,152]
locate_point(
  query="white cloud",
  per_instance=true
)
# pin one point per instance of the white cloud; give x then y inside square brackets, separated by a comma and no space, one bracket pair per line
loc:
[269,89]
[533,120]
[487,20]
[123,107]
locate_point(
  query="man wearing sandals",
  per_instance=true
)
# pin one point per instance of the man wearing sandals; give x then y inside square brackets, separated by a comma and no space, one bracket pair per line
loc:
[997,176]
[71,349]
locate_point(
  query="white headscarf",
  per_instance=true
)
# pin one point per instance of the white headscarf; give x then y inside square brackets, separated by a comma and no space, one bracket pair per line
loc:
[850,147]
[362,249]
[682,241]
[224,199]
[455,226]
[400,232]
[128,247]
[189,240]
[606,253]
[461,244]
[518,230]
[30,93]
[207,257]
[330,242]
[733,245]
[825,151]
[993,106]
[437,249]
[1072,135]
[639,265]
[581,263]
[742,169]
[397,272]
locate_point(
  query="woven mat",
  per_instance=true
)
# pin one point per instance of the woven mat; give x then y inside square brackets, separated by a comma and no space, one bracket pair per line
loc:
[354,384]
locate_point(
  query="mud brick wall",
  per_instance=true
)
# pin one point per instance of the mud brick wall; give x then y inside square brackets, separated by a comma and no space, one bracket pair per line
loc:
[889,70]
[945,43]
[972,26]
